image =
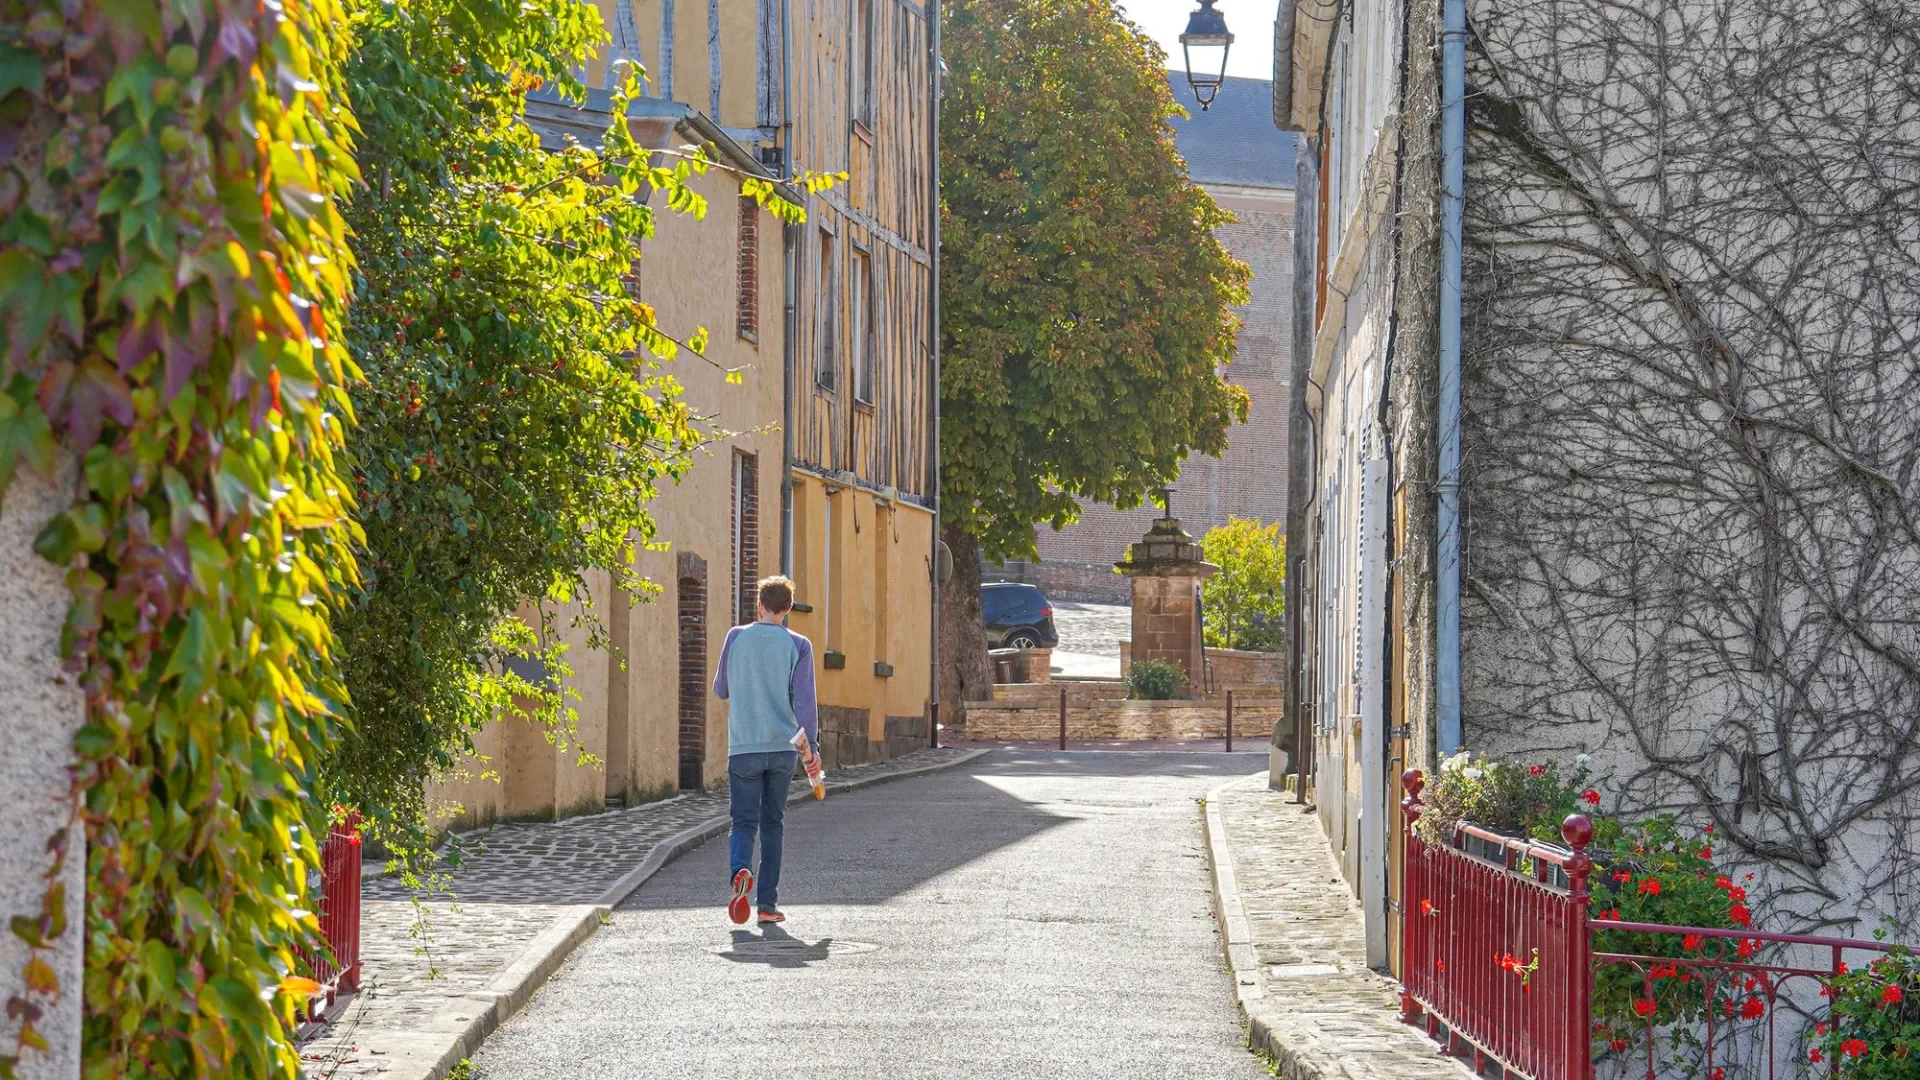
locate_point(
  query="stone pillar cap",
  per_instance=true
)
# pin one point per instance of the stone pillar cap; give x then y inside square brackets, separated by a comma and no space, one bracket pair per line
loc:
[1166,550]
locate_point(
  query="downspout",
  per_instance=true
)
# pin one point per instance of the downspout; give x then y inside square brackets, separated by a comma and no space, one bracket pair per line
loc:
[786,406]
[787,235]
[1453,152]
[933,346]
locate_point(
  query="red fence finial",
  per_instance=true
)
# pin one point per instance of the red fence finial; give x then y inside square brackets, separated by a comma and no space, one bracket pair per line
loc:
[1414,781]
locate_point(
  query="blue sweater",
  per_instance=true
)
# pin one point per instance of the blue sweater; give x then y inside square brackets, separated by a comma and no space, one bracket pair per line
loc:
[766,678]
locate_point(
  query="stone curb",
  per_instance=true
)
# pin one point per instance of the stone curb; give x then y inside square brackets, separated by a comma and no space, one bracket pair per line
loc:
[458,1032]
[1301,1053]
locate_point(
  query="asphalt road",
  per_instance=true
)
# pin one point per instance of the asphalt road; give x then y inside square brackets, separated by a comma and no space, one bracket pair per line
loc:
[1031,914]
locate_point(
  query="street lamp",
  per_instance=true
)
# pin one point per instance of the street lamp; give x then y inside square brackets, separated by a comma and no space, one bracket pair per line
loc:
[1205,43]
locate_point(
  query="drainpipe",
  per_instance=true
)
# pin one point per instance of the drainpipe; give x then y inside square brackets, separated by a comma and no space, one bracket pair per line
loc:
[1453,152]
[933,346]
[788,234]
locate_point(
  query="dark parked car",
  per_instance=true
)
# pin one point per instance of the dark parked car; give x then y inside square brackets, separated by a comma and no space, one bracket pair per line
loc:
[1018,617]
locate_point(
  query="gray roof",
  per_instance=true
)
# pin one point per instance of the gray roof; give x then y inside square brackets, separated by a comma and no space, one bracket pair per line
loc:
[1234,142]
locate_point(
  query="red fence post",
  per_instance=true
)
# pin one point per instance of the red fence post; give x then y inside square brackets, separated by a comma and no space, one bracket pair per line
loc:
[1577,830]
[1413,781]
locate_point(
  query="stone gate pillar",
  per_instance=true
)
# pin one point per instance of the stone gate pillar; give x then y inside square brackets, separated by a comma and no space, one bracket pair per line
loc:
[1166,570]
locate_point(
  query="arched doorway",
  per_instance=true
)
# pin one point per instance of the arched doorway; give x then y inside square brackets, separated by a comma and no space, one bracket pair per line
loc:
[693,671]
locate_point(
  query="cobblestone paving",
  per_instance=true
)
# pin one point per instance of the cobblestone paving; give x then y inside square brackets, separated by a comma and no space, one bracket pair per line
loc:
[1090,637]
[1328,1016]
[422,965]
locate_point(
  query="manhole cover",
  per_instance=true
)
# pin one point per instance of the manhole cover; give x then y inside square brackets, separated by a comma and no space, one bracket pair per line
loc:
[1296,971]
[790,950]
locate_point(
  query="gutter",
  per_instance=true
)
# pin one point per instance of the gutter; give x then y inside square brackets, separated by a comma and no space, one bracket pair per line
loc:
[552,115]
[789,253]
[1453,152]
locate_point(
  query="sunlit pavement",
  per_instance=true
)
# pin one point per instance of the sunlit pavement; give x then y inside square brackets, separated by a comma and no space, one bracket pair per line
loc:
[1031,914]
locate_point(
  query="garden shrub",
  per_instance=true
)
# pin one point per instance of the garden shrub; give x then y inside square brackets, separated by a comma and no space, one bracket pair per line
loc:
[1245,604]
[1873,1032]
[1155,680]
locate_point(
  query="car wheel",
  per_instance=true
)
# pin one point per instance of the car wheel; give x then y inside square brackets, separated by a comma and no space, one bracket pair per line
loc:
[1023,639]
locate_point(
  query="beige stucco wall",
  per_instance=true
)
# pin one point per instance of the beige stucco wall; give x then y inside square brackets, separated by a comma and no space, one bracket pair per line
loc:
[39,712]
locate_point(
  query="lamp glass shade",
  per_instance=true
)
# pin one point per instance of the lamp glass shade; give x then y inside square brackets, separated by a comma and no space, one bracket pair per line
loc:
[1205,44]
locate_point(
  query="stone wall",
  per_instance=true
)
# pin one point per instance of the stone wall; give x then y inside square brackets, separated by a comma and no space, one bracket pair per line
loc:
[1120,719]
[1065,579]
[39,712]
[844,738]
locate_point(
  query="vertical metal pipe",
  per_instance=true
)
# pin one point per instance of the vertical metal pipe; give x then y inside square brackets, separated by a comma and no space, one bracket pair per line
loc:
[933,340]
[1453,152]
[1063,718]
[1229,721]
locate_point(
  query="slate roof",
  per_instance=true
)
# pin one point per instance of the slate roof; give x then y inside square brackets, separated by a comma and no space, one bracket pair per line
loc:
[1234,142]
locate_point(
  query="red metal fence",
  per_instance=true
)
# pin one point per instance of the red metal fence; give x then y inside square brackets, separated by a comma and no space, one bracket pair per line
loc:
[1499,963]
[337,968]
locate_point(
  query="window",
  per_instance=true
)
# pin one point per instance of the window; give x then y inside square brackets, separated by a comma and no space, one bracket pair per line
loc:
[747,271]
[862,54]
[746,537]
[826,347]
[860,326]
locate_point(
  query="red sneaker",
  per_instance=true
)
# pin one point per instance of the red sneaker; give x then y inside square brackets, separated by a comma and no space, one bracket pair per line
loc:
[769,916]
[739,907]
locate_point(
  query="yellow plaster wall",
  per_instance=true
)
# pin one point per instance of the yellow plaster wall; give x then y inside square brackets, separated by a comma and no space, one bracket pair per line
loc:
[879,550]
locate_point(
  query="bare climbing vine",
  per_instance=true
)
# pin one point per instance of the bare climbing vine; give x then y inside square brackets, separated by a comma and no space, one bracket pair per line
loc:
[1693,418]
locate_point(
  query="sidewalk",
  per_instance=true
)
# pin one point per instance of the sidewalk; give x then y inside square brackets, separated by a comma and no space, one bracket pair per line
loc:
[1296,950]
[439,977]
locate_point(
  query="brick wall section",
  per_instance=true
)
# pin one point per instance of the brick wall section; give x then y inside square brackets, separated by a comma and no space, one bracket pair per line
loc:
[747,284]
[1062,580]
[992,720]
[746,525]
[692,590]
[1250,479]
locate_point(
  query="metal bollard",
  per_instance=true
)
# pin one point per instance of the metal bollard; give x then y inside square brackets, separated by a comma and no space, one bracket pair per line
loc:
[1229,721]
[1063,718]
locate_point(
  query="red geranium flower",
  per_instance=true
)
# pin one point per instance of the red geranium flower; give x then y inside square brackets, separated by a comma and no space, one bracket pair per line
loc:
[1753,1009]
[1814,1055]
[1892,995]
[1591,796]
[1651,886]
[1723,882]
[1737,894]
[1535,770]
[1621,1044]
[1854,1047]
[1692,942]
[1644,1006]
[1705,852]
[1740,915]
[1747,948]
[1622,875]
[1709,830]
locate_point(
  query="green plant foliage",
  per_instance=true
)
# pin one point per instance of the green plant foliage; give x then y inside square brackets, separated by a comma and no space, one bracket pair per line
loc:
[515,421]
[1155,680]
[1873,1032]
[1245,603]
[1084,298]
[172,273]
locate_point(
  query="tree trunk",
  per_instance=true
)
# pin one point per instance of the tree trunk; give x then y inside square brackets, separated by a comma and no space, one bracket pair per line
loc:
[966,674]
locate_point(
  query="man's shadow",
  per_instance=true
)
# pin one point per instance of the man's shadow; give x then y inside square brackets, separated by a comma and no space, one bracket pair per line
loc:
[776,948]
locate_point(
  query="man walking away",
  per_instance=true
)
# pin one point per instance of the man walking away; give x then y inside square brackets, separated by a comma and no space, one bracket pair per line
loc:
[766,677]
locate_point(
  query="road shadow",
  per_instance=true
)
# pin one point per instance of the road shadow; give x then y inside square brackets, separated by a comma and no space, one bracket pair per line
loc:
[775,948]
[870,846]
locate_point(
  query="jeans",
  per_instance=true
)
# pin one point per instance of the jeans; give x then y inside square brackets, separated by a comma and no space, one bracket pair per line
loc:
[758,785]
